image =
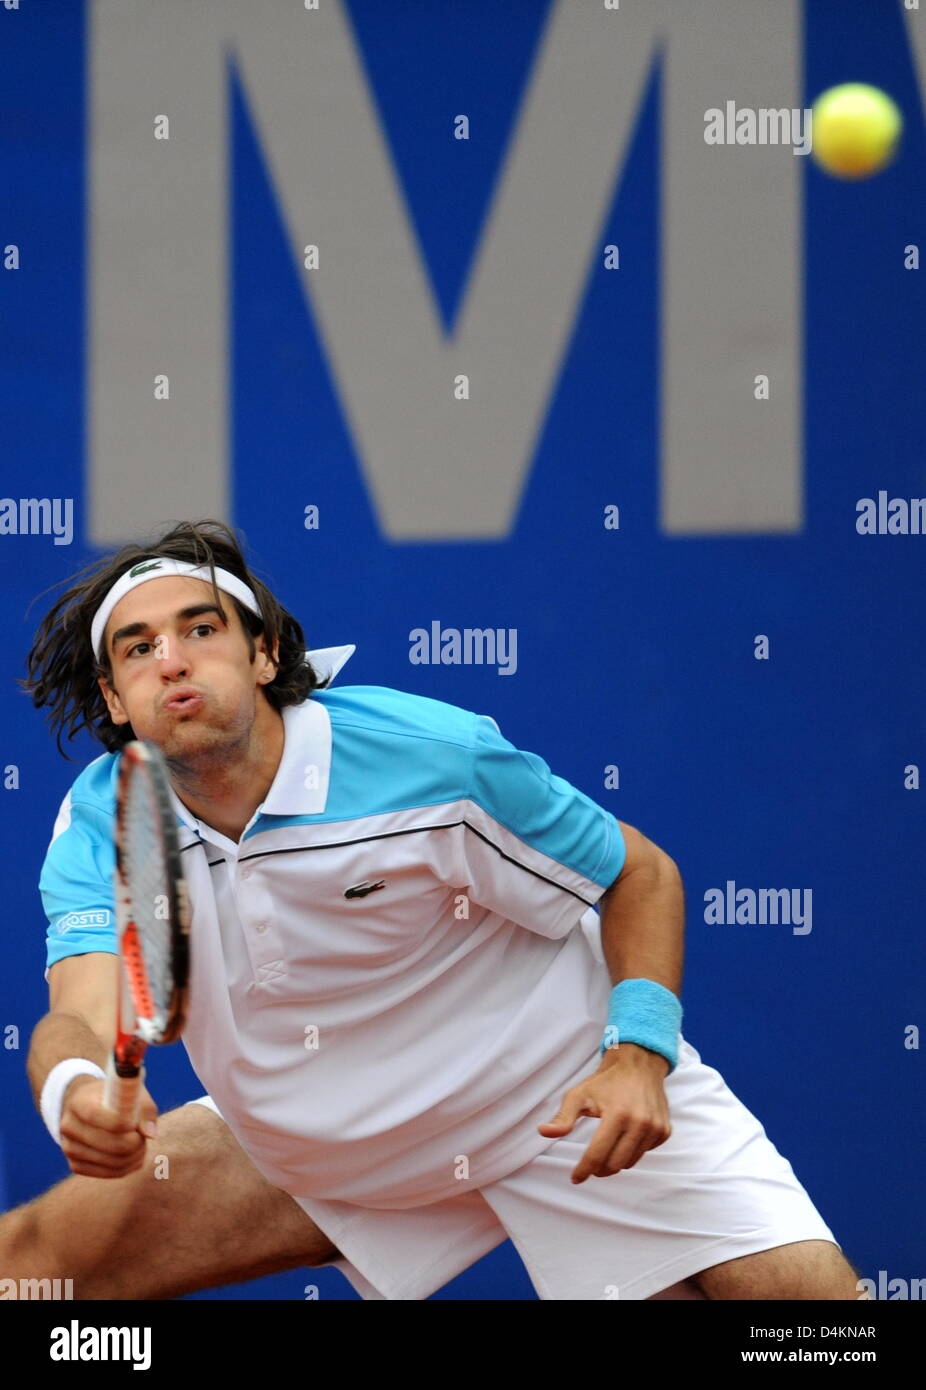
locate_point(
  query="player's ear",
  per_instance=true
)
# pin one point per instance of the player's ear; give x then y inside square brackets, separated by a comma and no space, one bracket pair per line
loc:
[116,713]
[270,665]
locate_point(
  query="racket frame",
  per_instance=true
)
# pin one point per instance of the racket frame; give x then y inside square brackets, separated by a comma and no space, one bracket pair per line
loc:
[136,1028]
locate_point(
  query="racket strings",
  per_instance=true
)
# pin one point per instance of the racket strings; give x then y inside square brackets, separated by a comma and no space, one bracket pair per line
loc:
[145,869]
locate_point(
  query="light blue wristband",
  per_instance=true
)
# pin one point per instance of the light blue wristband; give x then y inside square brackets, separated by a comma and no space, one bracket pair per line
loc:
[645,1013]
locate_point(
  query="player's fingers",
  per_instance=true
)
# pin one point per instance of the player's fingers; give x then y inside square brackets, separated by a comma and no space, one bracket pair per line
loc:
[82,1130]
[87,1106]
[607,1136]
[619,1158]
[148,1116]
[114,1164]
[575,1103]
[633,1144]
[83,1169]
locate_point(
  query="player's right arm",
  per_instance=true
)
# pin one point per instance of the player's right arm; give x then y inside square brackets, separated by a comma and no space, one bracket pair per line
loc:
[76,885]
[81,1022]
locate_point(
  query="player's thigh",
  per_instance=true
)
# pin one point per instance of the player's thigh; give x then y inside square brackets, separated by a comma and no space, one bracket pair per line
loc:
[197,1215]
[803,1269]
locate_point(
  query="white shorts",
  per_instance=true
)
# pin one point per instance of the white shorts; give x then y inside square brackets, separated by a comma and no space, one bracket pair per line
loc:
[715,1190]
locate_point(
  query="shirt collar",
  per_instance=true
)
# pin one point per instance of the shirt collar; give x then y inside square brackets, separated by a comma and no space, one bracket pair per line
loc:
[300,786]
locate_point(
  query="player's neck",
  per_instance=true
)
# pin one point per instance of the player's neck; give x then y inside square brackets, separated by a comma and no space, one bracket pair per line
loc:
[224,794]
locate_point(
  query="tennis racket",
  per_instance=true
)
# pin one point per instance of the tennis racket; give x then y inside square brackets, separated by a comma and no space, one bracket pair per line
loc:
[153,923]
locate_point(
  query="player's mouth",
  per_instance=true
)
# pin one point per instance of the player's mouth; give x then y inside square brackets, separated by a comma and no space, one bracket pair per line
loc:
[184,702]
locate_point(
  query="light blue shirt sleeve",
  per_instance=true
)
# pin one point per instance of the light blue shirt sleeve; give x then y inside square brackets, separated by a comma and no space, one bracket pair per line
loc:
[536,849]
[76,882]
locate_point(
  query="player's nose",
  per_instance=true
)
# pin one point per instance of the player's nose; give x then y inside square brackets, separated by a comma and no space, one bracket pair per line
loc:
[173,660]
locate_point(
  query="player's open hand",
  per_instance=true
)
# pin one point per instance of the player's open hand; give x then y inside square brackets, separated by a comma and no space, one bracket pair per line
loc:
[95,1142]
[628,1096]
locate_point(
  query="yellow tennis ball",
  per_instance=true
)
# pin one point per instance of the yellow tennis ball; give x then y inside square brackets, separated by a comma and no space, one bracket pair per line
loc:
[855,130]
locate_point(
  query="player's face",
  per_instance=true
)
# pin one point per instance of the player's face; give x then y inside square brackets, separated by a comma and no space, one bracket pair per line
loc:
[171,650]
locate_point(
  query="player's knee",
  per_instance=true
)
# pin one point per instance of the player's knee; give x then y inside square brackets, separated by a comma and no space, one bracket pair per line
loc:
[194,1129]
[811,1269]
[195,1144]
[18,1238]
[193,1148]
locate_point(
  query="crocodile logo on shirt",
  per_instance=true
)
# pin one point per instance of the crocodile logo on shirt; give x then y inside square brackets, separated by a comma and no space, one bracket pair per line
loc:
[360,890]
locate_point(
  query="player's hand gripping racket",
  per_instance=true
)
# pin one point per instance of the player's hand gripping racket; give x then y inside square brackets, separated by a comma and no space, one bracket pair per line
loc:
[153,920]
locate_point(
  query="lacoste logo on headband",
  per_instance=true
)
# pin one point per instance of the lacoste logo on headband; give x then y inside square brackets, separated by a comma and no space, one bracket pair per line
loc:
[144,568]
[360,890]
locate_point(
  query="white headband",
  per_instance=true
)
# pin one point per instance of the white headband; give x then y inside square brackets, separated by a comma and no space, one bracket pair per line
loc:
[159,568]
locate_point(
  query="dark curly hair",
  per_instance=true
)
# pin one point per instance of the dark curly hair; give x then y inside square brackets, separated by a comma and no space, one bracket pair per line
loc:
[63,671]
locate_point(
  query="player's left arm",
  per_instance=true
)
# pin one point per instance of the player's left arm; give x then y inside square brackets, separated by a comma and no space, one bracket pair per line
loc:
[642,937]
[643,922]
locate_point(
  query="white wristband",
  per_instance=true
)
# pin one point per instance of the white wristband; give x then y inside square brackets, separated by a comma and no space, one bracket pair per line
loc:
[56,1083]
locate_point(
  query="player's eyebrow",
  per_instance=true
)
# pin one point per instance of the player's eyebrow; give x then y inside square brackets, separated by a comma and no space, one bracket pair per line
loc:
[135,629]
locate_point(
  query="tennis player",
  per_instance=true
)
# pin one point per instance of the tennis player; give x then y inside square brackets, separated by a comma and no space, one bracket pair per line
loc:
[417,1034]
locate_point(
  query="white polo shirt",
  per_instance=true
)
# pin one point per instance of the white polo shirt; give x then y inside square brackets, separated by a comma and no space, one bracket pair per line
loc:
[388,983]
